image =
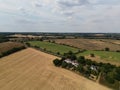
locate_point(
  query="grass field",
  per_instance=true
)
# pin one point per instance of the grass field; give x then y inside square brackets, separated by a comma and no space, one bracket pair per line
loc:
[53,47]
[30,69]
[103,56]
[91,44]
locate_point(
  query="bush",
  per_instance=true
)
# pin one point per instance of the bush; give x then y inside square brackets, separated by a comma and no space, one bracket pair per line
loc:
[63,58]
[57,62]
[44,49]
[92,55]
[64,64]
[28,44]
[0,55]
[82,57]
[73,57]
[117,50]
[88,62]
[107,49]
[110,79]
[81,60]
[53,41]
[70,52]
[36,46]
[58,53]
[70,65]
[80,68]
[117,75]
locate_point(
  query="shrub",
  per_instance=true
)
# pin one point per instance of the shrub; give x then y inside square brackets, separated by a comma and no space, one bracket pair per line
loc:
[44,49]
[57,62]
[28,44]
[92,55]
[81,60]
[117,50]
[107,49]
[36,46]
[110,78]
[117,75]
[80,68]
[64,64]
[82,57]
[73,57]
[58,53]
[70,65]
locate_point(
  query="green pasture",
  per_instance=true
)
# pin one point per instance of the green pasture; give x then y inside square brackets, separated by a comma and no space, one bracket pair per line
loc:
[53,47]
[106,55]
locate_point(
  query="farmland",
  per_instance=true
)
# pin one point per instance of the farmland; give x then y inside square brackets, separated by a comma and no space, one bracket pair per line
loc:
[53,47]
[103,56]
[91,44]
[33,70]
[100,56]
[6,46]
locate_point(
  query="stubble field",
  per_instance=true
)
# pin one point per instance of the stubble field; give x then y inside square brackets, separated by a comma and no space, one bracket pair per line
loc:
[6,46]
[91,44]
[30,69]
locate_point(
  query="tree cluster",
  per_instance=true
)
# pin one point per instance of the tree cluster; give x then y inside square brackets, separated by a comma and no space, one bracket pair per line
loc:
[86,67]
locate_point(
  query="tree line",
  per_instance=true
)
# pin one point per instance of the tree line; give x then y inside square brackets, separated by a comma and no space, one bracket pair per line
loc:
[108,72]
[8,52]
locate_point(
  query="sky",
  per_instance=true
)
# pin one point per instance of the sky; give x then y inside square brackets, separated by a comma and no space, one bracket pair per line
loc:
[60,16]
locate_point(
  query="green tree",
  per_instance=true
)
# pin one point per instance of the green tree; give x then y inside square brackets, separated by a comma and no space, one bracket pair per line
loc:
[117,75]
[110,77]
[107,49]
[80,68]
[70,65]
[82,57]
[64,64]
[88,62]
[70,52]
[81,60]
[58,53]
[57,62]
[73,57]
[92,55]
[28,44]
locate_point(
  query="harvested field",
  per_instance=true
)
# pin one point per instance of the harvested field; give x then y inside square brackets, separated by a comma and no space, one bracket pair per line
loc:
[24,36]
[9,45]
[30,69]
[90,44]
[112,41]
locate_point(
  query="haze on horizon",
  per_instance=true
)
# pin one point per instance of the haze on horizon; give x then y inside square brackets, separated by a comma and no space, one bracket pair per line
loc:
[60,16]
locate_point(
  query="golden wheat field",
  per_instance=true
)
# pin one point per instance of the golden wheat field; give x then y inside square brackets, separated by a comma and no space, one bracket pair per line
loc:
[30,69]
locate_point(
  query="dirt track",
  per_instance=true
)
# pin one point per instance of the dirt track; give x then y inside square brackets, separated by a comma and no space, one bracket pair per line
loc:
[33,70]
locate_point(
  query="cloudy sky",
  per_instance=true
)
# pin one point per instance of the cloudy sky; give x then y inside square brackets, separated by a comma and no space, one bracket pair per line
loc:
[60,15]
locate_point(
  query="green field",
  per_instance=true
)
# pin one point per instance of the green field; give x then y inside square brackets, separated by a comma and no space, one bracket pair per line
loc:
[106,55]
[53,47]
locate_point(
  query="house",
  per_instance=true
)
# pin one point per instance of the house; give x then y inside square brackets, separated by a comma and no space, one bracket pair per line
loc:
[74,63]
[93,68]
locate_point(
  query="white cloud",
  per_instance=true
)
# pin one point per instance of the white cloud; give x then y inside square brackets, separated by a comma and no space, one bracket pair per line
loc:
[78,15]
